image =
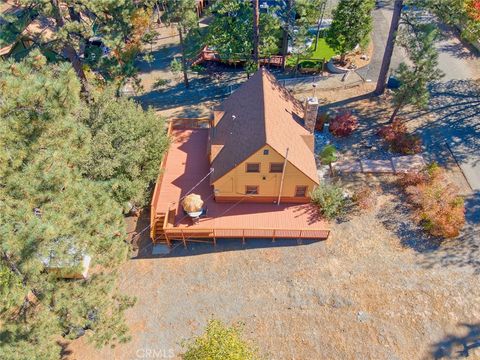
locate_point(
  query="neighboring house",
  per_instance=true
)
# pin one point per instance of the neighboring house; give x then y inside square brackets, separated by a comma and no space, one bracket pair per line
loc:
[259,150]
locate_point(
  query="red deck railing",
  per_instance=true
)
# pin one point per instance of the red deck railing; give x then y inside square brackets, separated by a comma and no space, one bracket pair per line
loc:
[194,234]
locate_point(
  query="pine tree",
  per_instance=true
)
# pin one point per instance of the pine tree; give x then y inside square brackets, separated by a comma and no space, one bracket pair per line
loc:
[351,26]
[73,23]
[184,15]
[419,42]
[54,209]
[127,147]
[231,32]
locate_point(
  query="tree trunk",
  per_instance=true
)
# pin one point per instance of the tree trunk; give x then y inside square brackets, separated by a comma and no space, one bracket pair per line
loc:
[69,50]
[395,112]
[296,64]
[74,16]
[387,56]
[331,169]
[286,29]
[256,32]
[74,59]
[184,59]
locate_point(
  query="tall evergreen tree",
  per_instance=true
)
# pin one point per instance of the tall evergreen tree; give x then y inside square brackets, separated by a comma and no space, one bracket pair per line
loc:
[127,147]
[351,26]
[231,31]
[419,42]
[55,209]
[183,14]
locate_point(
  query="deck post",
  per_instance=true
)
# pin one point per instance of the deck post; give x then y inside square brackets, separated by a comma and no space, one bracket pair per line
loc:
[183,238]
[273,236]
[167,239]
[214,238]
[299,240]
[243,236]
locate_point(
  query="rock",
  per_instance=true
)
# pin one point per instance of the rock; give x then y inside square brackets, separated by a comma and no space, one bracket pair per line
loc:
[362,316]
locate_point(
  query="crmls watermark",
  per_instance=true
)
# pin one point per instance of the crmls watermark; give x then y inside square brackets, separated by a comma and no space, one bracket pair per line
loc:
[155,353]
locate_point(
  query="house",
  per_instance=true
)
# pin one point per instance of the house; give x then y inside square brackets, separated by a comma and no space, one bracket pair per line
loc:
[259,149]
[251,164]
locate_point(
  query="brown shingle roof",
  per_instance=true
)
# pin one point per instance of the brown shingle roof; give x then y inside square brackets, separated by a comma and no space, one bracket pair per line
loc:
[262,112]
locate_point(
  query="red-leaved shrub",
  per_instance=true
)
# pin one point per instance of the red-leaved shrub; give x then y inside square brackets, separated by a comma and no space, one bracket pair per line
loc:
[343,124]
[438,206]
[399,140]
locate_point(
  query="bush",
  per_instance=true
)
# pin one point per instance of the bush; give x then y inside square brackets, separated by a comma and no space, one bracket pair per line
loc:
[160,83]
[412,178]
[329,199]
[219,342]
[175,66]
[343,124]
[438,206]
[399,140]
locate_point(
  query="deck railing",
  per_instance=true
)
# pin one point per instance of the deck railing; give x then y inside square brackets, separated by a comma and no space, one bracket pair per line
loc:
[192,234]
[190,123]
[156,190]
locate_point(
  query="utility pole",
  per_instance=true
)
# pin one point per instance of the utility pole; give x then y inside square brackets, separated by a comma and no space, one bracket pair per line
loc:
[256,31]
[387,56]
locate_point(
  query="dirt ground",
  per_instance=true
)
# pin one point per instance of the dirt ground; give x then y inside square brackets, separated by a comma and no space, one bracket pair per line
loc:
[377,289]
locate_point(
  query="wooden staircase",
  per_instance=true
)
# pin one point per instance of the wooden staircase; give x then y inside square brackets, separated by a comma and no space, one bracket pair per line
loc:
[158,235]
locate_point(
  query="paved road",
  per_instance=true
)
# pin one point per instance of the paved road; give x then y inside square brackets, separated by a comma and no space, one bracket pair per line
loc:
[382,16]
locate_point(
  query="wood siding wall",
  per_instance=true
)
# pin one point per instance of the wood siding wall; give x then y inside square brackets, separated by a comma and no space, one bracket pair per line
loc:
[232,185]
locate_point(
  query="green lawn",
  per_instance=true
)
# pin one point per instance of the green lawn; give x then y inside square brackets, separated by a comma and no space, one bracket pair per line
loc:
[323,52]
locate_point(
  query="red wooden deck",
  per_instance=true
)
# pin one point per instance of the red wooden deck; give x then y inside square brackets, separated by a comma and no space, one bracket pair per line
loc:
[187,164]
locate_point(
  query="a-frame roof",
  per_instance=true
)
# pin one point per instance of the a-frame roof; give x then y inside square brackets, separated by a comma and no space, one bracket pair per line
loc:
[262,112]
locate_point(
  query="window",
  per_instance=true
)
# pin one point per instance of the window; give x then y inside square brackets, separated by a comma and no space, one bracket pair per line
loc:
[301,191]
[276,167]
[251,190]
[265,152]
[253,168]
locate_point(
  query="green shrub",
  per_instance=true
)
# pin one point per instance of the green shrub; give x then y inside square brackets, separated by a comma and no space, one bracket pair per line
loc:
[160,83]
[330,200]
[175,66]
[219,342]
[328,155]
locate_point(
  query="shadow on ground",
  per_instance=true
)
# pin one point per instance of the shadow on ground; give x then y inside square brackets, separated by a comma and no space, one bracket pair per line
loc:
[456,347]
[223,245]
[455,118]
